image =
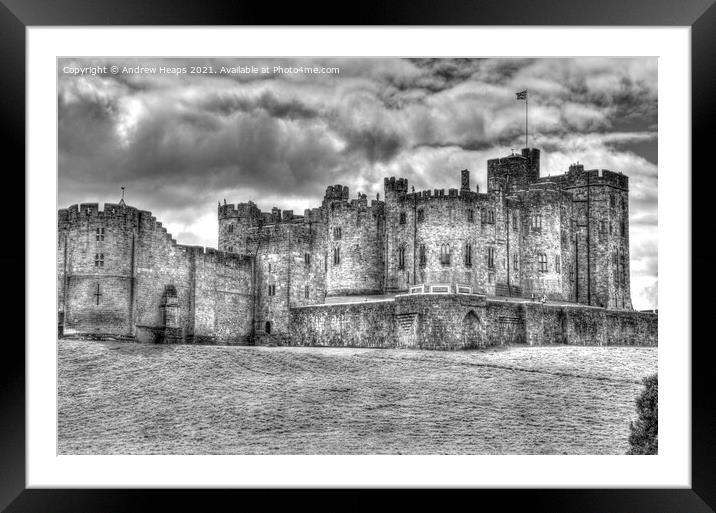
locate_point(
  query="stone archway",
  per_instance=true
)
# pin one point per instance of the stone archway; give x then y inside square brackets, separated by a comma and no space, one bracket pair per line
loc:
[471,331]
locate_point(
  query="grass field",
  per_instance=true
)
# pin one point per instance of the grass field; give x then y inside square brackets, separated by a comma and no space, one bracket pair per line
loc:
[124,398]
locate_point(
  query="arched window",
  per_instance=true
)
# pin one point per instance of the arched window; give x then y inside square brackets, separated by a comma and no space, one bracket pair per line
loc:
[445,254]
[468,254]
[267,327]
[557,264]
[423,255]
[537,223]
[543,262]
[401,257]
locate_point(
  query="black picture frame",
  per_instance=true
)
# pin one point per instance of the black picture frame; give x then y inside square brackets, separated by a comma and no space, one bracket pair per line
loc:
[700,15]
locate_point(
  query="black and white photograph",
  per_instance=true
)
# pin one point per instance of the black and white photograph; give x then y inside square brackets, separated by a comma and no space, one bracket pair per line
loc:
[357,256]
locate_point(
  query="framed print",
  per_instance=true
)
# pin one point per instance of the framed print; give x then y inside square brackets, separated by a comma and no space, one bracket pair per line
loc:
[415,257]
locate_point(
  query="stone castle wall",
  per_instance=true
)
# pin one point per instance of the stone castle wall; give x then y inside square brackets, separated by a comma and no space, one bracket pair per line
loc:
[564,236]
[117,265]
[465,321]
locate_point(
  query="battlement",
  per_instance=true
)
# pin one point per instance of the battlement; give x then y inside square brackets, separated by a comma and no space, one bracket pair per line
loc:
[242,210]
[577,176]
[393,185]
[336,193]
[312,215]
[113,215]
[91,211]
[215,256]
[439,195]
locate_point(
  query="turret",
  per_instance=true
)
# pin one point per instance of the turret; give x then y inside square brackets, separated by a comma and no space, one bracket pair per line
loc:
[513,171]
[465,180]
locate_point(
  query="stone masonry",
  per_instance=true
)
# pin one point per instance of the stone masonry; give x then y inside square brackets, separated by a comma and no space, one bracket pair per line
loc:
[437,269]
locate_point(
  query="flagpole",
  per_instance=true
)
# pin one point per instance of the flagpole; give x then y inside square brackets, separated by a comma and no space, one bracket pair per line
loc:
[526,131]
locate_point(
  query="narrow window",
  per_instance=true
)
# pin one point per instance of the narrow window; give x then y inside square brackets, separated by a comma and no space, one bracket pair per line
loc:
[611,201]
[337,233]
[336,256]
[445,254]
[557,265]
[401,257]
[267,328]
[402,218]
[97,295]
[543,262]
[423,255]
[269,267]
[272,289]
[603,227]
[491,216]
[514,262]
[468,254]
[100,234]
[470,216]
[491,257]
[231,228]
[514,222]
[306,292]
[307,258]
[230,249]
[99,260]
[623,228]
[421,215]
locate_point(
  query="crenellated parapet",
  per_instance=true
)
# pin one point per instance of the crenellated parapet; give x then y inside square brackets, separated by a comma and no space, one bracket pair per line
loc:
[577,176]
[336,193]
[215,256]
[440,195]
[90,212]
[397,186]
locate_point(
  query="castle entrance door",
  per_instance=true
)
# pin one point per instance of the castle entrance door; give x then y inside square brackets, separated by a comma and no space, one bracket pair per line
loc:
[471,333]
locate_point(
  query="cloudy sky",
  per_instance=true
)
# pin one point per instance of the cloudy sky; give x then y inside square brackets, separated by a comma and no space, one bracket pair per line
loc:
[180,142]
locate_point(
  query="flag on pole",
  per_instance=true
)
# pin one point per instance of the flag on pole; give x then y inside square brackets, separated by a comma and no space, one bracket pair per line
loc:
[522,95]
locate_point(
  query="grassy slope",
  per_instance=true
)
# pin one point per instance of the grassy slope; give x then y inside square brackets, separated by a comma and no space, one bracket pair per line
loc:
[118,398]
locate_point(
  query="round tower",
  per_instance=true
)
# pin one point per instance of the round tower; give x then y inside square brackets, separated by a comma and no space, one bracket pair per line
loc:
[95,258]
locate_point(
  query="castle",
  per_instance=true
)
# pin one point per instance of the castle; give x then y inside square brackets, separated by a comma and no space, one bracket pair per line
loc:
[428,269]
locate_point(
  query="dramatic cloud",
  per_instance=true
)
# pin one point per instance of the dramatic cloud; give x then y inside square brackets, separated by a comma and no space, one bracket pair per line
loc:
[180,142]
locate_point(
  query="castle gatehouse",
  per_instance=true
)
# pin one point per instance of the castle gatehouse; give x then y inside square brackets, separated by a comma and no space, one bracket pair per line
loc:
[533,260]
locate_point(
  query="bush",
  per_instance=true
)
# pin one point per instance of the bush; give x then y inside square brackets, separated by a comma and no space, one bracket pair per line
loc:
[644,432]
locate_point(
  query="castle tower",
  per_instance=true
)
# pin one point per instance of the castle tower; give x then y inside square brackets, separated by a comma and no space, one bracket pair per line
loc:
[516,170]
[96,261]
[601,238]
[400,226]
[354,243]
[234,224]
